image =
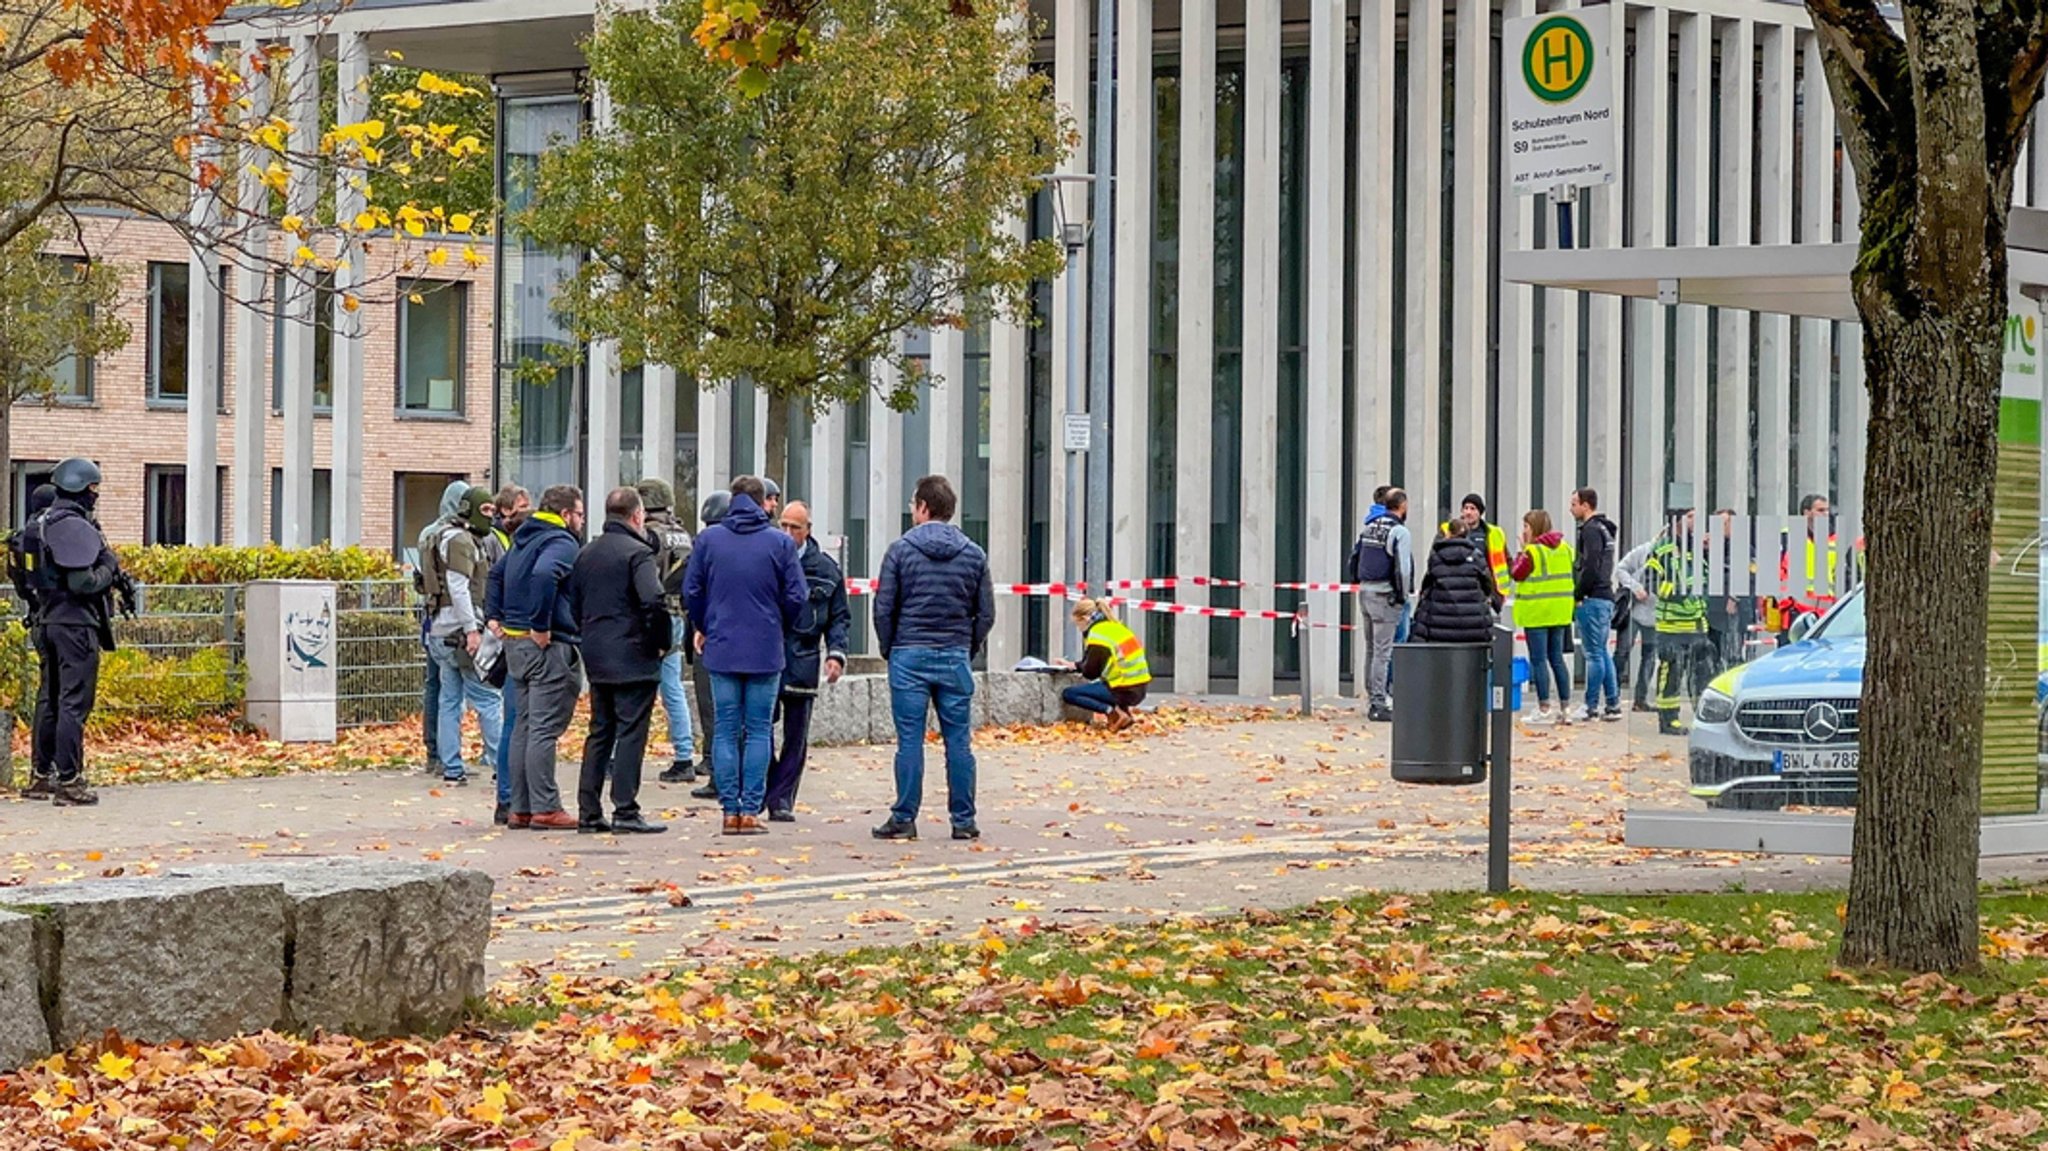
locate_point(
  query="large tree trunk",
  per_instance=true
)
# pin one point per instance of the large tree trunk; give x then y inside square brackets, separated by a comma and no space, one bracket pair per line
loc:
[1932,122]
[6,466]
[776,466]
[1933,452]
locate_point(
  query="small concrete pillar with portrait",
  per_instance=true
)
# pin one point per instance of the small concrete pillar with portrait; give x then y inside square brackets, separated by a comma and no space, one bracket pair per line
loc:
[290,646]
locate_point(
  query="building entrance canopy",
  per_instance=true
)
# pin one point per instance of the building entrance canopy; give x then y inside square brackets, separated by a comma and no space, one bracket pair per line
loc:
[1791,279]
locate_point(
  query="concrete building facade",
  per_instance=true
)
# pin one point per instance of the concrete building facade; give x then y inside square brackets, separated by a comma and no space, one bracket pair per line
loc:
[424,345]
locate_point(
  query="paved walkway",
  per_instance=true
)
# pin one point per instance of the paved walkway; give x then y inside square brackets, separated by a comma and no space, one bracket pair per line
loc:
[1205,815]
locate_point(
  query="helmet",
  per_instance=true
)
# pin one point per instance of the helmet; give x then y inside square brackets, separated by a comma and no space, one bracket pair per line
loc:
[40,499]
[656,495]
[475,509]
[75,476]
[773,489]
[715,506]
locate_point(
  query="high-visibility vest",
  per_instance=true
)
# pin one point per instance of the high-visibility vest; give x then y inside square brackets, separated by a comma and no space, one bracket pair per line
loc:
[1496,552]
[1675,576]
[1545,598]
[1814,596]
[1127,666]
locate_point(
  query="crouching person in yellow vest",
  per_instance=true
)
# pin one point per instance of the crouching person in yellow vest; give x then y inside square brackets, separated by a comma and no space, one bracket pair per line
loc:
[1112,663]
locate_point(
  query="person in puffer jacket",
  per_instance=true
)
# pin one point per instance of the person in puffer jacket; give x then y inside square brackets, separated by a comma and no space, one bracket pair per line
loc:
[1458,598]
[934,606]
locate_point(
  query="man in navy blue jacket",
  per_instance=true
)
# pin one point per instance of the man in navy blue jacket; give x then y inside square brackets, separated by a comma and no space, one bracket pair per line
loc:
[543,666]
[934,607]
[743,590]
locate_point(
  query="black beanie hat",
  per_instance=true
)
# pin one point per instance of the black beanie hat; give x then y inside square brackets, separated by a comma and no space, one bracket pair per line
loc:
[1473,498]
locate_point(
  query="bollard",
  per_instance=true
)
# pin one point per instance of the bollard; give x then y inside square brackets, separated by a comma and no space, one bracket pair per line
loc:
[1500,762]
[1303,634]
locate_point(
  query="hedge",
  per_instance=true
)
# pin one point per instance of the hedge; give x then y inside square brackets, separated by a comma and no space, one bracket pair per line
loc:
[229,565]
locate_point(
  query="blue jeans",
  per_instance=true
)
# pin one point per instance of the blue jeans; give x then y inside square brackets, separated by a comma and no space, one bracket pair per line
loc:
[457,687]
[1546,659]
[673,701]
[1090,696]
[504,760]
[919,678]
[745,706]
[1596,628]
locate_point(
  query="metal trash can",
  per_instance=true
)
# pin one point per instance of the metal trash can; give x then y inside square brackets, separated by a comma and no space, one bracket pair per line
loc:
[1441,699]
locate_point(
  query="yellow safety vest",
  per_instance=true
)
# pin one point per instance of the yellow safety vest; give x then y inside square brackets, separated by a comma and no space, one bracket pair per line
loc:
[1126,667]
[1545,598]
[1496,552]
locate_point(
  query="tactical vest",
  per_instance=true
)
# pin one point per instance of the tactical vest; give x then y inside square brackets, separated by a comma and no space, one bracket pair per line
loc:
[672,545]
[1375,562]
[1127,666]
[434,571]
[1545,598]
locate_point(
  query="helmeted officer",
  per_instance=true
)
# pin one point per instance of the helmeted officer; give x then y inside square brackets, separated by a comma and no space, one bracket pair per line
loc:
[76,577]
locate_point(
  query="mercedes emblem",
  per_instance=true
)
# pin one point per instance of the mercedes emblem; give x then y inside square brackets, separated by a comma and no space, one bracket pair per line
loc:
[1823,722]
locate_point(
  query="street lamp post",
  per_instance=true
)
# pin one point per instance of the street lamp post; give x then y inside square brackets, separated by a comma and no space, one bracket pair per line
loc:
[1076,434]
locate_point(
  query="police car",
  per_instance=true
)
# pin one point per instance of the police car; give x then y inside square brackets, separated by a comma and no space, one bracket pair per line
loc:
[1783,728]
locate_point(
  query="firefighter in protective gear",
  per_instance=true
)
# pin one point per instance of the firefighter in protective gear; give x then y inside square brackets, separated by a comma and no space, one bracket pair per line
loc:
[1112,663]
[1682,644]
[76,579]
[1817,592]
[1471,523]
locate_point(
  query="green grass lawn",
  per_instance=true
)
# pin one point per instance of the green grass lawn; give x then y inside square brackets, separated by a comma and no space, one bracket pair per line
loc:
[1704,1021]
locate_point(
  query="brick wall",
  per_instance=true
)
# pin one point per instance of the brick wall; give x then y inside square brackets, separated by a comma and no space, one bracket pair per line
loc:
[127,433]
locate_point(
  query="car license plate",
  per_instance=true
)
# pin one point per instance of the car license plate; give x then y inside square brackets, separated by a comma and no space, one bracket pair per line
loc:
[1796,762]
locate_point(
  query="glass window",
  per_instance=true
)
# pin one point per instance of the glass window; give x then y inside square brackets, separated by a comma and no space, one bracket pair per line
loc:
[71,379]
[323,340]
[430,336]
[28,476]
[323,505]
[163,497]
[540,408]
[417,499]
[170,302]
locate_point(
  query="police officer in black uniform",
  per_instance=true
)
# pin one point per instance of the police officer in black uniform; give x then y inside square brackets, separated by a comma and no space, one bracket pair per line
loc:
[76,578]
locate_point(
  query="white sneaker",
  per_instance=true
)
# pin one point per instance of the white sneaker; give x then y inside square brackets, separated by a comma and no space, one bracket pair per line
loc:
[1580,714]
[1543,717]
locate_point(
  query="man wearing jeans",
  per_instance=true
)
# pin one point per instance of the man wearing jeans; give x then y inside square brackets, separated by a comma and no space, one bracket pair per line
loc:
[672,545]
[743,588]
[1593,588]
[453,572]
[1383,567]
[933,610]
[544,667]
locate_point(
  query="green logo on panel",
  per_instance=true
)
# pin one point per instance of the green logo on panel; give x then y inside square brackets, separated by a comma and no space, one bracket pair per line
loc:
[1557,60]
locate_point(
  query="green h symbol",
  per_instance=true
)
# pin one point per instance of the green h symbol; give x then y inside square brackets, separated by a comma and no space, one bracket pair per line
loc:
[1556,53]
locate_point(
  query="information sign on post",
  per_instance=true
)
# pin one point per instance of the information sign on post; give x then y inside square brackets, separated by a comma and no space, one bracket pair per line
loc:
[1560,84]
[1079,433]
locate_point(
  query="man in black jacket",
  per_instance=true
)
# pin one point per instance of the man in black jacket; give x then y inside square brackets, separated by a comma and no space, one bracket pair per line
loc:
[817,654]
[73,574]
[615,594]
[934,607]
[1593,591]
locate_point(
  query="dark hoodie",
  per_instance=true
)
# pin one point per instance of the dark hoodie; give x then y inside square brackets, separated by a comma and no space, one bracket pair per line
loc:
[742,588]
[934,592]
[1593,578]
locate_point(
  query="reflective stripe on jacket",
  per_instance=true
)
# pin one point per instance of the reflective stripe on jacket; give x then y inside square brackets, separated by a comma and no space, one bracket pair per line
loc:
[1126,666]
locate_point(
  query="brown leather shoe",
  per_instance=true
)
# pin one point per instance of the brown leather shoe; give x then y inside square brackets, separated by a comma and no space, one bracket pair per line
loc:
[518,821]
[744,825]
[731,826]
[1120,719]
[553,821]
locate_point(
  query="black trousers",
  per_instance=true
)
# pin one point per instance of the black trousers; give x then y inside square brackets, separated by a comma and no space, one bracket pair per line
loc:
[616,746]
[707,715]
[786,770]
[69,687]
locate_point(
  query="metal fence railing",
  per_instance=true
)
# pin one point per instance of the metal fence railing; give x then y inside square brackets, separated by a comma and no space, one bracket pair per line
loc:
[182,656]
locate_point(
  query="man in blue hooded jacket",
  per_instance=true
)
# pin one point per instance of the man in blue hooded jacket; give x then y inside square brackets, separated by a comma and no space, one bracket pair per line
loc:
[543,664]
[742,590]
[934,607]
